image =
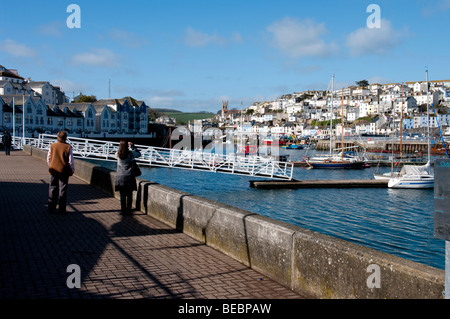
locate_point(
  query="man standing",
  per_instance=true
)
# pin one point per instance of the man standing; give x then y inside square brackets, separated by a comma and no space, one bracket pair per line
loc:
[6,140]
[61,166]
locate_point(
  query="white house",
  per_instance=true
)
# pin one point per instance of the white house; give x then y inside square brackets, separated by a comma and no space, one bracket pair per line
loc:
[10,75]
[353,114]
[294,108]
[433,98]
[45,90]
[409,104]
[6,88]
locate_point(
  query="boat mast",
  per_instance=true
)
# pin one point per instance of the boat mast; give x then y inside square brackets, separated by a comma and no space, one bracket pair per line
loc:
[331,117]
[342,122]
[401,128]
[428,120]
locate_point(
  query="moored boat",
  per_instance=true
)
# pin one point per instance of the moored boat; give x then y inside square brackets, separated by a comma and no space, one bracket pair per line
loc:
[342,160]
[412,176]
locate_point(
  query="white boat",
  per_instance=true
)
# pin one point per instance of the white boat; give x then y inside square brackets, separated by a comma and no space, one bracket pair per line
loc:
[412,176]
[386,176]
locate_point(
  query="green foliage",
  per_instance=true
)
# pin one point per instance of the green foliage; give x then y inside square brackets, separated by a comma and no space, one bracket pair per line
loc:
[185,118]
[362,83]
[86,98]
[325,123]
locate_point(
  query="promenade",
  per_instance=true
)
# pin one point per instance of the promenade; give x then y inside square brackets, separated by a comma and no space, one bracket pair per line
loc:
[119,257]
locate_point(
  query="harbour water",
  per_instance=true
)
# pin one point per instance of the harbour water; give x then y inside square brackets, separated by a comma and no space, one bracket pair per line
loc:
[395,221]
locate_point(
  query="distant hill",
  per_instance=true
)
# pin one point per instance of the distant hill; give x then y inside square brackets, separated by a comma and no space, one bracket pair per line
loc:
[166,111]
[185,117]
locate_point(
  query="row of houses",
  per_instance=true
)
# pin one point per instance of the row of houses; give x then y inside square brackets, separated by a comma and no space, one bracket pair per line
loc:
[381,107]
[126,115]
[11,83]
[377,125]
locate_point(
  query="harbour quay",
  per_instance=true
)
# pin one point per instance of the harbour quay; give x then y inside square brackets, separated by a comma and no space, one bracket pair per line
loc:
[347,183]
[166,242]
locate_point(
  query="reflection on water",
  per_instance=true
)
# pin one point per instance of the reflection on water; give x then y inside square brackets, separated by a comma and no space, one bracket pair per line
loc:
[396,221]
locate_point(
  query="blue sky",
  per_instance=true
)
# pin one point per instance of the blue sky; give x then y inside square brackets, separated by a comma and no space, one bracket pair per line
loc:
[192,55]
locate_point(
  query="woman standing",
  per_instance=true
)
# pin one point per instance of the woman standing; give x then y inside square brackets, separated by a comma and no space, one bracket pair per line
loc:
[125,178]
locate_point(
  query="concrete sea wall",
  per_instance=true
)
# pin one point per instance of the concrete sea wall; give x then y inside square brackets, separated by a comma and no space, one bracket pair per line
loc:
[310,263]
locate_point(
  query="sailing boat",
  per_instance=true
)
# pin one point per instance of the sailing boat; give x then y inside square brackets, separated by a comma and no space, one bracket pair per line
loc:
[412,176]
[342,159]
[391,174]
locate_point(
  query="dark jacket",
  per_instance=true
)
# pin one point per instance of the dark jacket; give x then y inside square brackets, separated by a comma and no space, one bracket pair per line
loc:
[6,139]
[125,179]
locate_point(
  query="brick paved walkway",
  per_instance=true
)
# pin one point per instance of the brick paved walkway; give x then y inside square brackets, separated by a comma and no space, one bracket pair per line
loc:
[119,256]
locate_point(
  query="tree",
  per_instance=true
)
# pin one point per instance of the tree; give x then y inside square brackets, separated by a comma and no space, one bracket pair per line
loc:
[362,83]
[86,98]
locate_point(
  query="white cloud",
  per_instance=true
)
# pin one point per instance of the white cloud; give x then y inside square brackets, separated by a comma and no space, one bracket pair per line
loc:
[69,87]
[97,57]
[435,6]
[16,49]
[379,80]
[374,40]
[298,38]
[195,38]
[128,39]
[52,29]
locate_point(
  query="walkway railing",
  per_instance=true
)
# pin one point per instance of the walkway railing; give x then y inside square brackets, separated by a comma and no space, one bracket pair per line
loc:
[174,158]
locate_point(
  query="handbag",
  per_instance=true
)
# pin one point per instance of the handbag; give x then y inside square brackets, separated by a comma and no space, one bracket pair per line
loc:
[135,168]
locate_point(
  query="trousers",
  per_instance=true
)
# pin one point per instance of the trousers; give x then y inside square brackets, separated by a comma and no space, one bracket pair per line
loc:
[126,200]
[57,193]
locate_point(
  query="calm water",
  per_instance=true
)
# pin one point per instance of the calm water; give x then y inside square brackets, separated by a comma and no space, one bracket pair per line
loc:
[396,221]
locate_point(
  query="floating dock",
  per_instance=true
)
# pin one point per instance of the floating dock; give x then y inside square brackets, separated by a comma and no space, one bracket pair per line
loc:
[347,183]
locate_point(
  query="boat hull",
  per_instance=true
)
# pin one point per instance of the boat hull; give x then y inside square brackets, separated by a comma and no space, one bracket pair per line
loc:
[337,165]
[384,176]
[411,183]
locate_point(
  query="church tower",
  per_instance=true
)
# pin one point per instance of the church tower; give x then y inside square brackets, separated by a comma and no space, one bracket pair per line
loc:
[224,108]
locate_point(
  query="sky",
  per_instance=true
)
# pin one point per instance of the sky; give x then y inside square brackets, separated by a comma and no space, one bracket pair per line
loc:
[191,55]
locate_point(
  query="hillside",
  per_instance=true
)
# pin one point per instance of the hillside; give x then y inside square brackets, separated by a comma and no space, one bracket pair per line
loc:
[185,117]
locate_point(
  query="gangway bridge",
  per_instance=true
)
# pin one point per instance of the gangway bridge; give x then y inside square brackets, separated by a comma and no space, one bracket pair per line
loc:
[258,166]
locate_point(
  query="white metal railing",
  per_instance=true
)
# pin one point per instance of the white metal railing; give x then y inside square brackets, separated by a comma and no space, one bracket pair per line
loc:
[175,158]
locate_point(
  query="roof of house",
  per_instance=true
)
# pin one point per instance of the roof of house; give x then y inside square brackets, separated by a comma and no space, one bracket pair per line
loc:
[9,73]
[37,83]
